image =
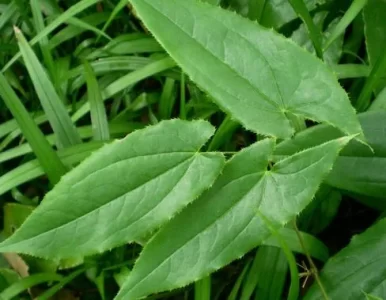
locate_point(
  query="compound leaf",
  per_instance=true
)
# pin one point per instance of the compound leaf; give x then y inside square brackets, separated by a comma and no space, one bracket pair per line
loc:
[256,75]
[122,192]
[230,219]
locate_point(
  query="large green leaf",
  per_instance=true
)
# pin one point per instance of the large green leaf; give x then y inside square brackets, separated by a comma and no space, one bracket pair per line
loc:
[359,268]
[231,218]
[123,191]
[357,169]
[375,30]
[256,75]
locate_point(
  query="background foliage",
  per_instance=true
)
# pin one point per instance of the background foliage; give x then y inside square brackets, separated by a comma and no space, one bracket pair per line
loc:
[92,79]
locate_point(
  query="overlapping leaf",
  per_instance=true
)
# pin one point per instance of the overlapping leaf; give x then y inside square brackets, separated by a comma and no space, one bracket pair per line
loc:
[256,75]
[357,169]
[122,192]
[375,32]
[226,221]
[357,269]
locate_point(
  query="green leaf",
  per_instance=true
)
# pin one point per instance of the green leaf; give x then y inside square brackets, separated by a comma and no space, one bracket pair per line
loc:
[332,55]
[320,213]
[47,157]
[314,32]
[72,31]
[128,80]
[357,169]
[315,247]
[62,18]
[267,275]
[26,283]
[354,9]
[207,43]
[374,15]
[122,192]
[8,13]
[98,112]
[52,104]
[358,268]
[230,224]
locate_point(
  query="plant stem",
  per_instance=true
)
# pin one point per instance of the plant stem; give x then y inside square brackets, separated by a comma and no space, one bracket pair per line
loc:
[314,269]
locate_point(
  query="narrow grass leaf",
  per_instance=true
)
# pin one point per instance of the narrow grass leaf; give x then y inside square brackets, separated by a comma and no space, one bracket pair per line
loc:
[87,27]
[354,9]
[123,192]
[344,71]
[121,4]
[128,80]
[167,99]
[230,213]
[43,43]
[62,18]
[8,14]
[358,268]
[116,129]
[202,289]
[26,283]
[236,288]
[71,31]
[267,275]
[374,15]
[315,247]
[97,109]
[53,106]
[33,169]
[207,43]
[50,162]
[372,82]
[315,34]
[48,294]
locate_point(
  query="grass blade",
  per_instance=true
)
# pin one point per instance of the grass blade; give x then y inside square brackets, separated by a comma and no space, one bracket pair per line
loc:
[34,169]
[223,133]
[72,31]
[56,288]
[344,71]
[266,276]
[39,27]
[315,35]
[378,71]
[85,26]
[293,293]
[167,99]
[53,106]
[98,112]
[8,14]
[26,283]
[235,290]
[346,20]
[128,80]
[117,129]
[202,289]
[50,162]
[72,11]
[117,9]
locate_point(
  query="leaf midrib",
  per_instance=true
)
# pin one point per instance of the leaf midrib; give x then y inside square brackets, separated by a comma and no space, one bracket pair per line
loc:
[206,227]
[98,208]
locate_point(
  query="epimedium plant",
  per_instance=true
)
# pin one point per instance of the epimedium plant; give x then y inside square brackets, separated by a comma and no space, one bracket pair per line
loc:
[195,210]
